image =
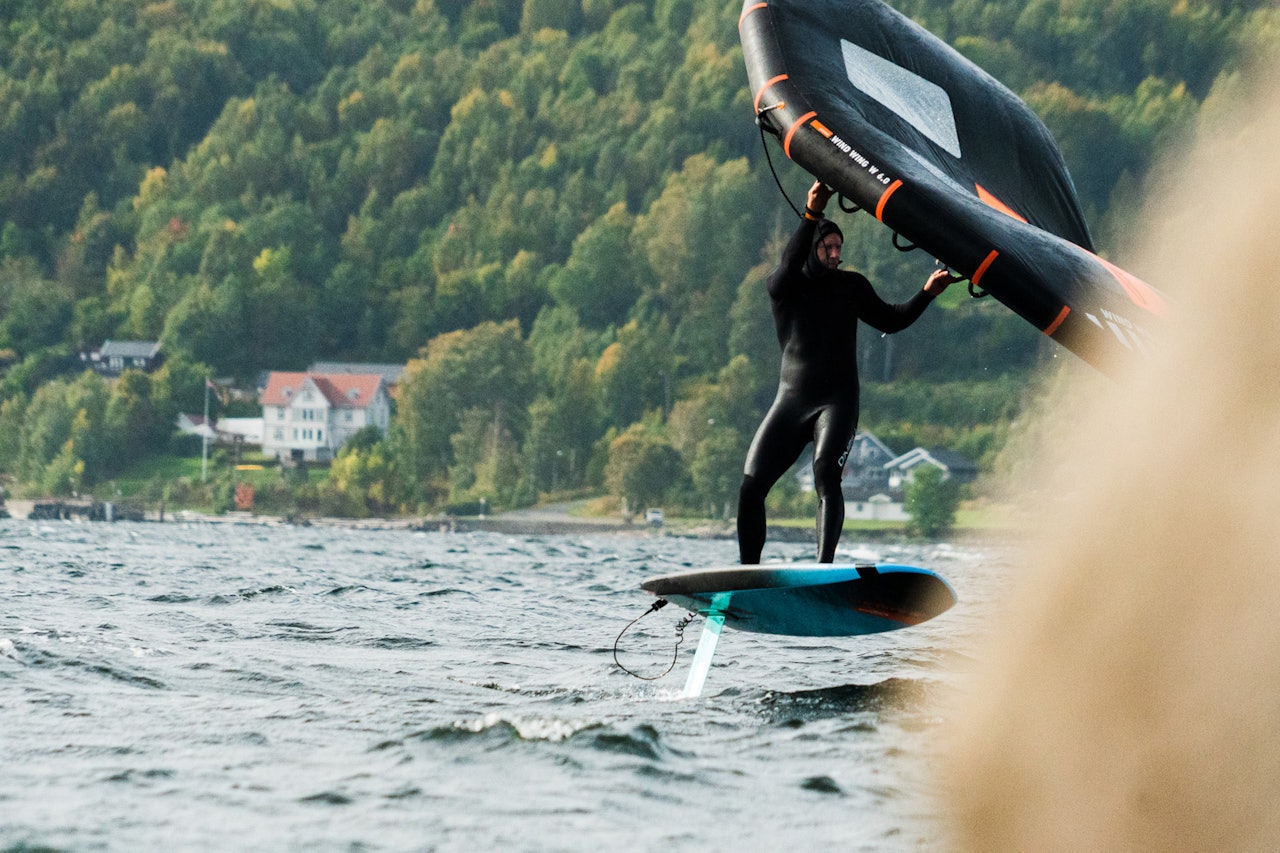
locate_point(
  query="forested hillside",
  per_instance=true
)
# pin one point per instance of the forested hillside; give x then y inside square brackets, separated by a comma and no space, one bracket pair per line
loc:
[559,210]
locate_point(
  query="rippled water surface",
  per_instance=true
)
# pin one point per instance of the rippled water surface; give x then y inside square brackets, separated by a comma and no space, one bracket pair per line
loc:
[177,687]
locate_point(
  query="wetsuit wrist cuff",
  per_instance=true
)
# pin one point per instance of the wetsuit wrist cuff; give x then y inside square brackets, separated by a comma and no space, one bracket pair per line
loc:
[811,214]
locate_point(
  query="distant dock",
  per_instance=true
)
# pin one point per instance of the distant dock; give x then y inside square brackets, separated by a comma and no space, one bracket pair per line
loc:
[67,509]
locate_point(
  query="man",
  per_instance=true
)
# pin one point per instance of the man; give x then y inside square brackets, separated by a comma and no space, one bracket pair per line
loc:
[816,309]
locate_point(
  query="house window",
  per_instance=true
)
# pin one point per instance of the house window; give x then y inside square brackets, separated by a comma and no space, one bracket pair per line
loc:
[279,434]
[279,413]
[348,416]
[319,435]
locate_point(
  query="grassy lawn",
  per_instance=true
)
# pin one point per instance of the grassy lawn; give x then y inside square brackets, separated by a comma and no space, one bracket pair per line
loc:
[159,467]
[169,469]
[986,517]
[973,518]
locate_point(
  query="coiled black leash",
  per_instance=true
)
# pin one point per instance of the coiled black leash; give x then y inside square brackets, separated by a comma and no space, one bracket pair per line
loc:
[675,654]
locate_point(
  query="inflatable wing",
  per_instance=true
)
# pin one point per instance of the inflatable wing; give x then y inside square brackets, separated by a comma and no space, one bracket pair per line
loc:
[935,148]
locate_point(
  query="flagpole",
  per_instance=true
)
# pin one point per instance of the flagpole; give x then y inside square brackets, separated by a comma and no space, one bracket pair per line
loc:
[204,445]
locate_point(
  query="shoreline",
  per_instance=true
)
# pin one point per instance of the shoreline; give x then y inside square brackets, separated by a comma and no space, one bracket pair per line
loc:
[529,522]
[516,523]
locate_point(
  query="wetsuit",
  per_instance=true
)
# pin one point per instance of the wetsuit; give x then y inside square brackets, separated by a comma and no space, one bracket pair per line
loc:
[816,312]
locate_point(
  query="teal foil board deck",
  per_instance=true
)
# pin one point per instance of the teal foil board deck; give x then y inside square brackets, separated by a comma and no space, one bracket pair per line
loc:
[811,599]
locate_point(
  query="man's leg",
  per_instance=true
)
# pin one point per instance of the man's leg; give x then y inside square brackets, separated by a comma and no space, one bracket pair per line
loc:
[775,448]
[833,438]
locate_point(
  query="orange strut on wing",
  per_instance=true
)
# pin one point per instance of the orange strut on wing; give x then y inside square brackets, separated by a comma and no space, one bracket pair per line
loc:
[760,94]
[982,268]
[1062,315]
[884,199]
[786,144]
[747,11]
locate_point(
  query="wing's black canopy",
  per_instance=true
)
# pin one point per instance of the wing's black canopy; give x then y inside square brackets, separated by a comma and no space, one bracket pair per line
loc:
[874,105]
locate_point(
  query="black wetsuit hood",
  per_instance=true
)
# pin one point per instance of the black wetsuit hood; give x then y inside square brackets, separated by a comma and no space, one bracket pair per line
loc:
[812,266]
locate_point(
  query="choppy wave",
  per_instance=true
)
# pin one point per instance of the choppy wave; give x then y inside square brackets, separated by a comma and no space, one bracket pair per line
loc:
[201,687]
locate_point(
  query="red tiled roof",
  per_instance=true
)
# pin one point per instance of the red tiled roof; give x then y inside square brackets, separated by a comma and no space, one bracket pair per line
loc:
[342,390]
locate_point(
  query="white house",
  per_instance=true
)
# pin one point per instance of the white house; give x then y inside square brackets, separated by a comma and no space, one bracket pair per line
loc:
[310,415]
[876,508]
[246,430]
[953,466]
[223,430]
[197,425]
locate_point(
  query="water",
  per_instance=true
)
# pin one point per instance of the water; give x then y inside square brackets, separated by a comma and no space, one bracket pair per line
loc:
[168,687]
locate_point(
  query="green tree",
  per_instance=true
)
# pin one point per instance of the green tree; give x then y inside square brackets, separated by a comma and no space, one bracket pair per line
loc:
[600,281]
[132,418]
[486,462]
[563,427]
[485,368]
[707,407]
[636,373]
[932,500]
[209,326]
[363,471]
[642,468]
[486,130]
[553,14]
[34,312]
[12,416]
[751,332]
[716,469]
[281,313]
[64,443]
[699,238]
[179,386]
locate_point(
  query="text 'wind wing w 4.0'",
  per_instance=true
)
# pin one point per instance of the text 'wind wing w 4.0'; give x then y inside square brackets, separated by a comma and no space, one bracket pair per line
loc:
[935,148]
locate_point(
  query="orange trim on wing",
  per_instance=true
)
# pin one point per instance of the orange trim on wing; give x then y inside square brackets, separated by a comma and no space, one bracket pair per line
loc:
[760,94]
[1062,315]
[984,266]
[991,201]
[748,11]
[884,199]
[1142,294]
[786,144]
